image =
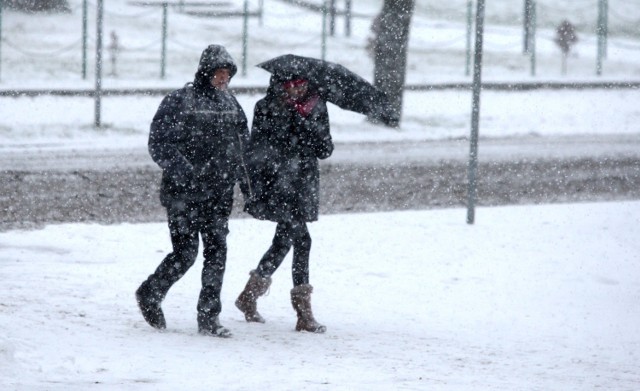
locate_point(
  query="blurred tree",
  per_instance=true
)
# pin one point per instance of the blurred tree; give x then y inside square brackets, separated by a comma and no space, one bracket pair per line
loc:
[38,5]
[389,47]
[565,38]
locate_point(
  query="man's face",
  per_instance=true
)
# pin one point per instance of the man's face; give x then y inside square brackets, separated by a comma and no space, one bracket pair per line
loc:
[220,79]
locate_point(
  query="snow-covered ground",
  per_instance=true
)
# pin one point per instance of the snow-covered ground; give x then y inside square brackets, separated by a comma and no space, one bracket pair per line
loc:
[529,298]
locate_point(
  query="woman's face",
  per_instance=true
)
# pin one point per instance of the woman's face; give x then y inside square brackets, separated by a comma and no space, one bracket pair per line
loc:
[296,91]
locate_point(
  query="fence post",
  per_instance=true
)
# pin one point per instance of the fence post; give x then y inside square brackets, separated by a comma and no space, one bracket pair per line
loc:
[84,39]
[98,90]
[1,1]
[245,36]
[467,69]
[605,22]
[347,18]
[332,19]
[600,34]
[163,55]
[323,45]
[532,41]
[475,114]
[526,26]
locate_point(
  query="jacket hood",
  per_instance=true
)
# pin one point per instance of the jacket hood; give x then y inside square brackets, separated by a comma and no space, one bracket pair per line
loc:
[212,58]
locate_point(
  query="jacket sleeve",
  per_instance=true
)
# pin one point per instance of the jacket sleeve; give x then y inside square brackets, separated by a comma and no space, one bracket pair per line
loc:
[316,136]
[263,156]
[242,131]
[164,136]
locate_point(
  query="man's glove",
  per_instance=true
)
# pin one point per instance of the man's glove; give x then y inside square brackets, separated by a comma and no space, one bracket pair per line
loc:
[182,174]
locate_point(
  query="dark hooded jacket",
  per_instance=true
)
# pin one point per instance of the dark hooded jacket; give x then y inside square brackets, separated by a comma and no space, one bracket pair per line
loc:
[198,137]
[284,150]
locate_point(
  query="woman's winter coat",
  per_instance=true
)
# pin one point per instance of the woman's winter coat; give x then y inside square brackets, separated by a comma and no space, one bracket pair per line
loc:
[198,137]
[284,150]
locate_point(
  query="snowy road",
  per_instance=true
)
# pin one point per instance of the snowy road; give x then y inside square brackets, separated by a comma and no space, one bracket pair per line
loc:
[121,185]
[61,157]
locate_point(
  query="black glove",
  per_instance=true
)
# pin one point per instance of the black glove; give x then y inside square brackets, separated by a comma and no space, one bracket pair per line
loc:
[182,174]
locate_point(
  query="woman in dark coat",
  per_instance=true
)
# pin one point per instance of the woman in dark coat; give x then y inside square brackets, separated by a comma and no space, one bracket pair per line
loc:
[290,132]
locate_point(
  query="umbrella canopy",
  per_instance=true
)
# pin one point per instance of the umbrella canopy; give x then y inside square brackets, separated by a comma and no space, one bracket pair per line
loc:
[334,82]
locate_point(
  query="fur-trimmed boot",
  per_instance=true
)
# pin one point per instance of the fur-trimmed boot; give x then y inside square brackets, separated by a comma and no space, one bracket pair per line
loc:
[247,301]
[301,301]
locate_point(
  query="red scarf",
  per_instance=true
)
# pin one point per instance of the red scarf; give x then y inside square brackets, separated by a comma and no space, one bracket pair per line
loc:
[304,106]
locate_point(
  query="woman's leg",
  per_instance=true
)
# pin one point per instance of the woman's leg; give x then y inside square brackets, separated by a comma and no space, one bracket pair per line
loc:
[301,292]
[301,249]
[280,246]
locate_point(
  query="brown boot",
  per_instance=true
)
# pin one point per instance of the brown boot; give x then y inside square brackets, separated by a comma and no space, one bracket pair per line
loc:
[247,301]
[301,301]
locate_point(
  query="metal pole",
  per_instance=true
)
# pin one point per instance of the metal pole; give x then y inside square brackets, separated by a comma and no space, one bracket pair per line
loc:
[261,5]
[245,36]
[599,31]
[347,18]
[98,90]
[323,45]
[332,20]
[475,113]
[532,43]
[605,24]
[467,68]
[85,36]
[163,55]
[526,25]
[1,1]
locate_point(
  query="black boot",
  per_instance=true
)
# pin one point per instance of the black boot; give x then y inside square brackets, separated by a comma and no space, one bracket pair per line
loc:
[211,326]
[149,301]
[209,308]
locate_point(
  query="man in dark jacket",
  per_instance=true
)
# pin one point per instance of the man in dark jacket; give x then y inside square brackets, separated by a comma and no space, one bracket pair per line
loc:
[198,138]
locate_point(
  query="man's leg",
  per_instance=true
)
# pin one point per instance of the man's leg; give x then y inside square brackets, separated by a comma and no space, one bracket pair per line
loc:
[214,239]
[184,239]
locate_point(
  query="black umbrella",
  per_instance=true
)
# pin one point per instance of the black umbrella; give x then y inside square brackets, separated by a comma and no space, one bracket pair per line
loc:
[334,82]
